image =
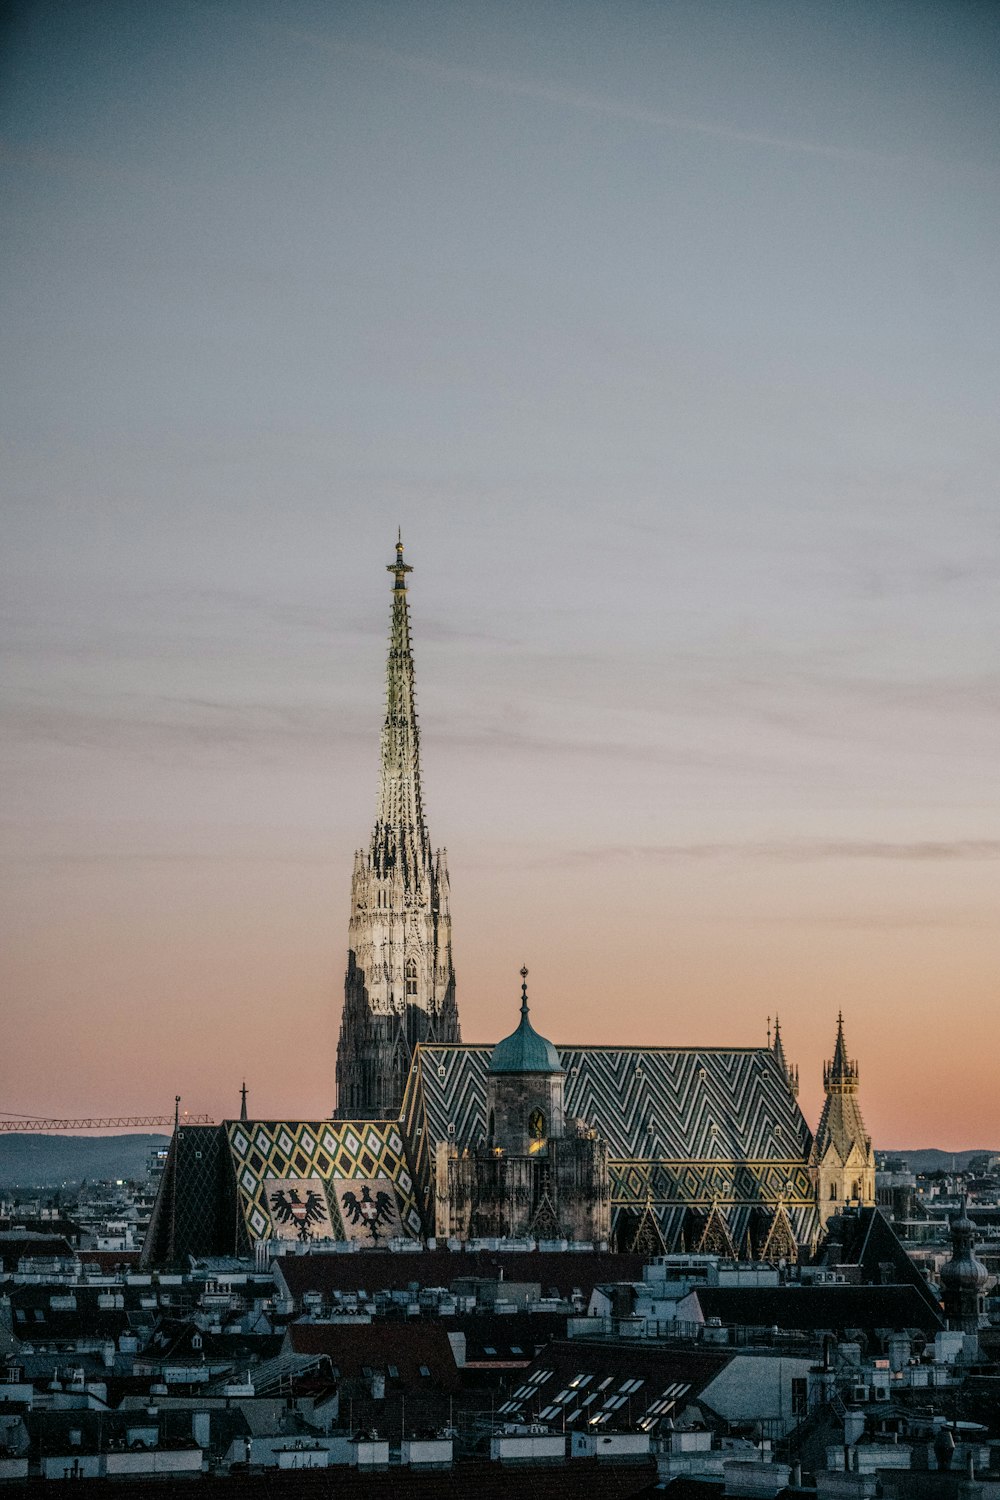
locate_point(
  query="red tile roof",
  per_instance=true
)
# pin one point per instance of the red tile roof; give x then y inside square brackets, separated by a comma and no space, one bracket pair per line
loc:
[409,1348]
[109,1260]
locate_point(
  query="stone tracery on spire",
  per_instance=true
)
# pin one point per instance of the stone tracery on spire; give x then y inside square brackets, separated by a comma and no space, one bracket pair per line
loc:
[400,835]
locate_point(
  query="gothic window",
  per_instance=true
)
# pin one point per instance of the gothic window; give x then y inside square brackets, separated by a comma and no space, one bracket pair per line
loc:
[411,979]
[833,1190]
[536,1125]
[492,1129]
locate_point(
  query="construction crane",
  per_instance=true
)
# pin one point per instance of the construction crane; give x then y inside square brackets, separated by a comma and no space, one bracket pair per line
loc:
[110,1122]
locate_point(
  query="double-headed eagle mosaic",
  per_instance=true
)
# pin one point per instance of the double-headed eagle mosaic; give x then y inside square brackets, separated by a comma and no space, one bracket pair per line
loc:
[368,1211]
[288,1208]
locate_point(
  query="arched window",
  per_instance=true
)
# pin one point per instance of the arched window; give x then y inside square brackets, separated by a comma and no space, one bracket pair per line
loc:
[833,1190]
[411,979]
[536,1125]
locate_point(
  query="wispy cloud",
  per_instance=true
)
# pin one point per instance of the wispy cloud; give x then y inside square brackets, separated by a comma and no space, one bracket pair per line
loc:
[796,851]
[187,859]
[37,158]
[566,97]
[159,728]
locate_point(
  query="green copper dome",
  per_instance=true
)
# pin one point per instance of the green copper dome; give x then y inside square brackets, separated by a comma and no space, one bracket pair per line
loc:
[524,1051]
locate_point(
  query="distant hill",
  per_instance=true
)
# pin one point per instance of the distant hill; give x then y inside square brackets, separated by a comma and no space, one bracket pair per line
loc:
[931,1160]
[29,1160]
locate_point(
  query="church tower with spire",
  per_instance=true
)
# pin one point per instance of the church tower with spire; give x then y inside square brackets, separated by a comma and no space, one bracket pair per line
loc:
[841,1161]
[400,984]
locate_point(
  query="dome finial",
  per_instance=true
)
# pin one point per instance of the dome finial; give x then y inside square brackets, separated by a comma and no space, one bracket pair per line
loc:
[399,567]
[524,1051]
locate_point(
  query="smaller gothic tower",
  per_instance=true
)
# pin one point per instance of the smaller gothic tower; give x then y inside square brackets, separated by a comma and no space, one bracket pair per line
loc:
[524,1090]
[964,1278]
[534,1174]
[842,1162]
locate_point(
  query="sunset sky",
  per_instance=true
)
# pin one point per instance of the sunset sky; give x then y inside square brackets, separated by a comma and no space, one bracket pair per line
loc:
[668,332]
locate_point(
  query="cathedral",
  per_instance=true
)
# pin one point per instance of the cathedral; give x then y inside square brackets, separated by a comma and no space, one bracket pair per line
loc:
[651,1148]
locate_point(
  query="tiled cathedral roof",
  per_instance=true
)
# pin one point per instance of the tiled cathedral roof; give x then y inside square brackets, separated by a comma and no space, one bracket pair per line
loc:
[684,1126]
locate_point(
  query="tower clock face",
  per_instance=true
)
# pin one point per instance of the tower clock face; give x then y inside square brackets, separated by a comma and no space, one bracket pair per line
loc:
[536,1125]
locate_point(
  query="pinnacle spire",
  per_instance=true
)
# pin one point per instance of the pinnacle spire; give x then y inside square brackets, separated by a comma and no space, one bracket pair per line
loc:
[777,1047]
[524,991]
[841,1074]
[400,837]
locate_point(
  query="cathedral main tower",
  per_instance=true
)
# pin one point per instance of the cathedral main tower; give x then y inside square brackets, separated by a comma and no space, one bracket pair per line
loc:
[400,984]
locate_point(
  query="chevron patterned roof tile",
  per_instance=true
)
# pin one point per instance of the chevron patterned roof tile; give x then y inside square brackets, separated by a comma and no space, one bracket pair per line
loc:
[669,1103]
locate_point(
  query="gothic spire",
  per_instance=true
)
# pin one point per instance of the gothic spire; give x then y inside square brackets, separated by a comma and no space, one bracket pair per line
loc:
[399,989]
[791,1074]
[400,837]
[840,1076]
[841,1121]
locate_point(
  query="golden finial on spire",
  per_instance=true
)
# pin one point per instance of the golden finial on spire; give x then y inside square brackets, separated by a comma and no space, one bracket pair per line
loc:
[399,567]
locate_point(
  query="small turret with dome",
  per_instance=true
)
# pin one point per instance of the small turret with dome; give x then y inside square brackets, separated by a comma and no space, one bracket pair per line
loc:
[529,1176]
[964,1278]
[524,1089]
[524,1051]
